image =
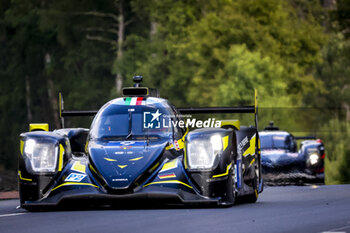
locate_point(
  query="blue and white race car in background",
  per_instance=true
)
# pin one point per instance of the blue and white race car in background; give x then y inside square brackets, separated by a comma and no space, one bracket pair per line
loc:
[280,153]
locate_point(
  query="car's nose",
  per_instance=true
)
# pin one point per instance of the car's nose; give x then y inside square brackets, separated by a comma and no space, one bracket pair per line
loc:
[121,164]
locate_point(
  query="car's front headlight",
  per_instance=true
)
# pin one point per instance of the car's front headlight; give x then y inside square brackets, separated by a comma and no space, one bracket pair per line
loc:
[43,155]
[202,152]
[313,158]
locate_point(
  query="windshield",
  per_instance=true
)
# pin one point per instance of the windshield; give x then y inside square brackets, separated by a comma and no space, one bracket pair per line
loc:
[139,122]
[274,141]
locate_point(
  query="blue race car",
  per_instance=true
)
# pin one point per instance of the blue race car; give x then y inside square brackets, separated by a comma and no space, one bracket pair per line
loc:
[138,149]
[279,153]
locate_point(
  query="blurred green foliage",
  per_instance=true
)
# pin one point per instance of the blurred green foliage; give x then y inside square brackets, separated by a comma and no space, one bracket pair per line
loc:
[337,162]
[197,52]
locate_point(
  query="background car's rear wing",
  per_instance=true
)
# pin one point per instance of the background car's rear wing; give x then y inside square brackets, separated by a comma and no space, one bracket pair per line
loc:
[198,110]
[305,138]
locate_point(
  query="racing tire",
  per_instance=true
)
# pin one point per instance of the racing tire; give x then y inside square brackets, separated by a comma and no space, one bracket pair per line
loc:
[252,198]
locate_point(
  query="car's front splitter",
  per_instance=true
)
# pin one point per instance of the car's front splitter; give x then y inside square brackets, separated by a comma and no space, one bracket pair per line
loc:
[91,196]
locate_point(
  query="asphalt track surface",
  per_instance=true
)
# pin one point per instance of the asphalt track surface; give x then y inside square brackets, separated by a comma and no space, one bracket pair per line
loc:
[279,209]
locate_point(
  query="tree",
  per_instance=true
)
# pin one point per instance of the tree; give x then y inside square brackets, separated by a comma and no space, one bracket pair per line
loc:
[195,49]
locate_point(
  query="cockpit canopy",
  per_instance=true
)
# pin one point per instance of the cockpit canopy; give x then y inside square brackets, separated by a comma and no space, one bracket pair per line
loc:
[277,140]
[134,118]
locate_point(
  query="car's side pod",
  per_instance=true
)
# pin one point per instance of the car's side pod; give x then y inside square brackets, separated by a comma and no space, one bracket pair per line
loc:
[43,156]
[239,109]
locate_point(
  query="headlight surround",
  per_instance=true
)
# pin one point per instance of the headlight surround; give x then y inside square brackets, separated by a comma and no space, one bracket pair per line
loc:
[42,154]
[202,151]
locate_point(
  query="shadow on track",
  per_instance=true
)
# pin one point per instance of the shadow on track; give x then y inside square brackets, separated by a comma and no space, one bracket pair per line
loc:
[85,205]
[292,178]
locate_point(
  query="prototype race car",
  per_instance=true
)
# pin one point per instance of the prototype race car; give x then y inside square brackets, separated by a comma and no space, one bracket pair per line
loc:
[138,148]
[279,153]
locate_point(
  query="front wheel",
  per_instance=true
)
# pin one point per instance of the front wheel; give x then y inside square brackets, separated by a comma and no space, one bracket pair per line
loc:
[252,198]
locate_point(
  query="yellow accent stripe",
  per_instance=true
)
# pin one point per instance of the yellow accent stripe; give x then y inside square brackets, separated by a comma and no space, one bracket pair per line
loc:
[183,137]
[60,159]
[20,177]
[181,142]
[154,167]
[135,159]
[223,174]
[251,148]
[73,183]
[169,147]
[256,193]
[169,182]
[225,142]
[234,123]
[60,103]
[185,159]
[185,156]
[111,160]
[86,147]
[21,147]
[92,168]
[251,162]
[122,166]
[255,99]
[77,166]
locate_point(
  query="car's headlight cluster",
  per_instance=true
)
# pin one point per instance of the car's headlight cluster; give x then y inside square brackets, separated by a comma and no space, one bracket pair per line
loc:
[202,152]
[43,155]
[313,158]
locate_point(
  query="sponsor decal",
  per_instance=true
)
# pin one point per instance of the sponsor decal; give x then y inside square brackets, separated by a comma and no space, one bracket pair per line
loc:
[75,177]
[127,143]
[242,144]
[168,175]
[120,179]
[293,155]
[78,167]
[176,144]
[125,147]
[169,165]
[309,150]
[279,138]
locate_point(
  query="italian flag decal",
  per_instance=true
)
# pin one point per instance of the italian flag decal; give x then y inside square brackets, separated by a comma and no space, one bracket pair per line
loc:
[133,101]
